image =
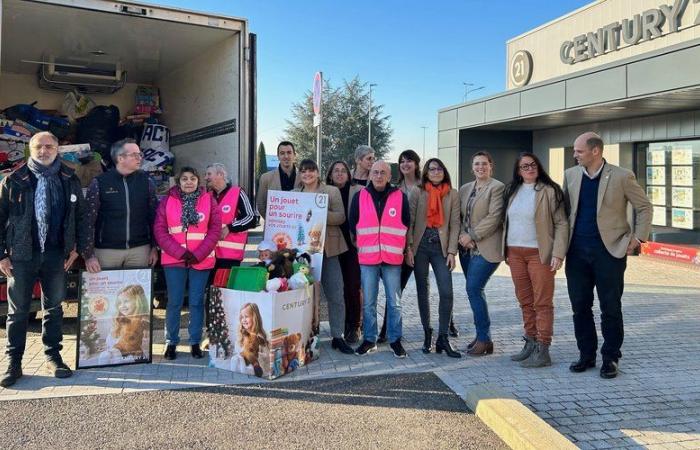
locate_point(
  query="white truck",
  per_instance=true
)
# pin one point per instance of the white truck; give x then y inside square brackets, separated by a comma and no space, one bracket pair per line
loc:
[203,64]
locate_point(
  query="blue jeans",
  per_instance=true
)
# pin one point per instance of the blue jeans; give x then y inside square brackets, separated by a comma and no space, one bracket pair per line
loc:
[175,278]
[47,267]
[391,276]
[477,272]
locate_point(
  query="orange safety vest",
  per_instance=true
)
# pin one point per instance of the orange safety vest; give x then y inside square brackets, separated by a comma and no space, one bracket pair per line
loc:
[381,242]
[194,235]
[233,245]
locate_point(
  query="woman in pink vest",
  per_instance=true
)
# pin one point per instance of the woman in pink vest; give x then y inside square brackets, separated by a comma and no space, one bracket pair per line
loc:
[187,227]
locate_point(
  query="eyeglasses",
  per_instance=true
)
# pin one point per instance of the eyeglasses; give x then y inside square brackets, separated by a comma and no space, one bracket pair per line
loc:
[135,155]
[525,167]
[436,170]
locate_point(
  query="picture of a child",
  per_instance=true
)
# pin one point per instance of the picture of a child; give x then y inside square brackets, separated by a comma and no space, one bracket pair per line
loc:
[252,342]
[129,328]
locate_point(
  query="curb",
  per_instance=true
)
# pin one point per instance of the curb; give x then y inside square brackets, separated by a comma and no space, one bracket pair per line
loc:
[512,421]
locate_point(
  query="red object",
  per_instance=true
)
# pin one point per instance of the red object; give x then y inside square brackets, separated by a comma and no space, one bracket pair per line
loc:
[669,252]
[36,292]
[221,277]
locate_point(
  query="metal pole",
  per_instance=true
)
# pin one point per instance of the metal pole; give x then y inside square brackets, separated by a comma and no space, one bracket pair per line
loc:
[424,127]
[319,131]
[369,116]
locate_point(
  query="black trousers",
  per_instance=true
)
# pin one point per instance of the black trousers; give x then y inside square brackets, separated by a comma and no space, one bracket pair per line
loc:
[589,265]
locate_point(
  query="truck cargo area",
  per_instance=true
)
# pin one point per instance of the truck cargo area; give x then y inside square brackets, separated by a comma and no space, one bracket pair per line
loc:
[197,62]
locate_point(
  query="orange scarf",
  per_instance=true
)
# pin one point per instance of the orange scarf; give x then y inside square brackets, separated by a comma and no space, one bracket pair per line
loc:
[435,195]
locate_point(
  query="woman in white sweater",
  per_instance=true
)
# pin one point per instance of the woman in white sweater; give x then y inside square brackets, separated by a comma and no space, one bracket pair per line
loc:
[535,242]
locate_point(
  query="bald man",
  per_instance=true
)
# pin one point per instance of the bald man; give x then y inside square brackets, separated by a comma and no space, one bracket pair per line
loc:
[601,238]
[379,218]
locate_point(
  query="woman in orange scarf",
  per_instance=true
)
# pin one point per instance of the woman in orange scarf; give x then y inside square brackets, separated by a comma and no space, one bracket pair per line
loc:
[432,240]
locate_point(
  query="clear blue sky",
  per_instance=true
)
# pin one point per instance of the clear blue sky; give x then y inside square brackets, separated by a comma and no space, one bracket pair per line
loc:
[418,52]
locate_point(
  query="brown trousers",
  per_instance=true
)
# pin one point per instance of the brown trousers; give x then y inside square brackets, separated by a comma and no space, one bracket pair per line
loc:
[534,288]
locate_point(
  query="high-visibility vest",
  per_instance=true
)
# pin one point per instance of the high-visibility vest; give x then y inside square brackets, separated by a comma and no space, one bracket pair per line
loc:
[381,241]
[194,235]
[233,245]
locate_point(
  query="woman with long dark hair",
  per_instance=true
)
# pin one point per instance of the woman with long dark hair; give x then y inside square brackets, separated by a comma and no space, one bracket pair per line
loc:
[339,176]
[535,241]
[432,241]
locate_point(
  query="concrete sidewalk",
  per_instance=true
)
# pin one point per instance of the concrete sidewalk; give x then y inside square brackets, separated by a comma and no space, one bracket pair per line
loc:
[654,403]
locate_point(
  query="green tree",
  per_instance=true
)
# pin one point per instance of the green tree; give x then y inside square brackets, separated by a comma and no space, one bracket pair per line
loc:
[345,125]
[261,164]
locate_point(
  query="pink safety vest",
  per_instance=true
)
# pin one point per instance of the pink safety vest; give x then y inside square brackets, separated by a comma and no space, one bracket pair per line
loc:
[233,245]
[381,242]
[193,237]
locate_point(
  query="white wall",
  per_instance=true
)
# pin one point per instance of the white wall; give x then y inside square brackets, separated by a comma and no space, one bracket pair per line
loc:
[17,88]
[203,92]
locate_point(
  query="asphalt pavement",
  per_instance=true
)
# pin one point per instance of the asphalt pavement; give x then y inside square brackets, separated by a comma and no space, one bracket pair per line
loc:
[388,411]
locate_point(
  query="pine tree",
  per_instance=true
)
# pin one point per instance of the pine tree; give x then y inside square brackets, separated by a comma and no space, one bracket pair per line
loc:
[300,236]
[88,330]
[261,163]
[217,328]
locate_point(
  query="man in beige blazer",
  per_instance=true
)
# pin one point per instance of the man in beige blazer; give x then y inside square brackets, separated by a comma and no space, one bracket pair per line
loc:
[284,178]
[600,240]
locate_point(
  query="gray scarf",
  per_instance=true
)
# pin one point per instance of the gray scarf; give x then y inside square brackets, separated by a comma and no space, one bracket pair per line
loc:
[48,187]
[189,208]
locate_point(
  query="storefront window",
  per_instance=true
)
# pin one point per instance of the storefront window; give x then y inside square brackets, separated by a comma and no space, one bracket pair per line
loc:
[668,172]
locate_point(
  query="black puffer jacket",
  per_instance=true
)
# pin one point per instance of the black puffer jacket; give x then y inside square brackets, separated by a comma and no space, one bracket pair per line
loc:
[17,214]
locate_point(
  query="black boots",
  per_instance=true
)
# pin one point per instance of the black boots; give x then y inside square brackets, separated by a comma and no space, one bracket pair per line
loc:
[196,352]
[170,352]
[428,340]
[608,369]
[582,364]
[342,346]
[13,373]
[443,343]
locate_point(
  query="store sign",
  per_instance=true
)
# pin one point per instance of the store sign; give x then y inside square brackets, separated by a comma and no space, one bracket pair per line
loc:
[521,68]
[650,24]
[677,253]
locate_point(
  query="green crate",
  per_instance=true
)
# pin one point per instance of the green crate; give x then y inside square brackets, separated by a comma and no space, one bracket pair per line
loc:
[251,279]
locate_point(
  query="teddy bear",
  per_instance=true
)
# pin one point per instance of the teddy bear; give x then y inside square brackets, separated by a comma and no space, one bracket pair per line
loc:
[290,360]
[315,244]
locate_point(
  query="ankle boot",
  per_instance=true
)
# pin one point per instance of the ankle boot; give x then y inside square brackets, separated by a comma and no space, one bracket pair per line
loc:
[538,358]
[454,332]
[427,340]
[481,348]
[527,350]
[443,343]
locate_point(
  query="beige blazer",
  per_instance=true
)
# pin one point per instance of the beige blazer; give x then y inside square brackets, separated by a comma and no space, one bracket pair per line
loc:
[270,181]
[617,188]
[448,232]
[486,219]
[334,242]
[551,224]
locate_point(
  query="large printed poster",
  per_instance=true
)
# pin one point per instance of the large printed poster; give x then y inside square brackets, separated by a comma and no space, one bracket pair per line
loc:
[262,334]
[114,318]
[297,220]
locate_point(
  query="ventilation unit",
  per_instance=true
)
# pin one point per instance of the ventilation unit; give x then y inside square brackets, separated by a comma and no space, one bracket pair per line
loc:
[67,74]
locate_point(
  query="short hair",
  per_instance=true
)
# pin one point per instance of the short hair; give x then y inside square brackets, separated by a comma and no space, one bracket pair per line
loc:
[485,154]
[220,169]
[308,164]
[184,170]
[118,148]
[283,143]
[39,135]
[362,150]
[595,141]
[426,170]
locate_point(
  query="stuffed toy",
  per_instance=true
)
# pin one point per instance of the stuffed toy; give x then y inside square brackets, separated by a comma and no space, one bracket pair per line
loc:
[290,360]
[313,346]
[301,278]
[277,285]
[315,244]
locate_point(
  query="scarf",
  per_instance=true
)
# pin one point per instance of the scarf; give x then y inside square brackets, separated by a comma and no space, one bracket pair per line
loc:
[189,208]
[435,195]
[47,195]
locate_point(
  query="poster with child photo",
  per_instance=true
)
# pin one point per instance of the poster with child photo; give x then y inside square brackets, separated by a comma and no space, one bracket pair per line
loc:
[115,318]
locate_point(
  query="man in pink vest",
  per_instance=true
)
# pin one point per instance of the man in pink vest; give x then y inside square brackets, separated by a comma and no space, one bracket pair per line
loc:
[237,216]
[379,219]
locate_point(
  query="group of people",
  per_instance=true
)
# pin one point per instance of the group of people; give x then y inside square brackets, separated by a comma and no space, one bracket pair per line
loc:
[381,231]
[375,231]
[46,222]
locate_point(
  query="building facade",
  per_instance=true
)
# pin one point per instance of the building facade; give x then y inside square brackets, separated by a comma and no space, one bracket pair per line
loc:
[626,69]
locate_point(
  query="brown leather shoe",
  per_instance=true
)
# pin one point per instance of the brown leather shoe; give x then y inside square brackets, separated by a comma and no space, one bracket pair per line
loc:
[481,348]
[471,344]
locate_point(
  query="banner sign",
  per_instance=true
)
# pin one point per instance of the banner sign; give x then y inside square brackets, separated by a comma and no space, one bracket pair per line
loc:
[670,252]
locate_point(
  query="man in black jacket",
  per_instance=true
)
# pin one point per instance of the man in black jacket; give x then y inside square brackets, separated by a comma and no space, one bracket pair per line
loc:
[121,209]
[42,214]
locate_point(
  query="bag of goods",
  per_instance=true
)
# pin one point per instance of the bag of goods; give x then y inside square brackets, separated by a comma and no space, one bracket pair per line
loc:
[76,105]
[99,128]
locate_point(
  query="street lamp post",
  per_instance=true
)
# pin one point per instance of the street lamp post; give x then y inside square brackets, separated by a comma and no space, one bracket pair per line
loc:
[369,116]
[467,90]
[424,127]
